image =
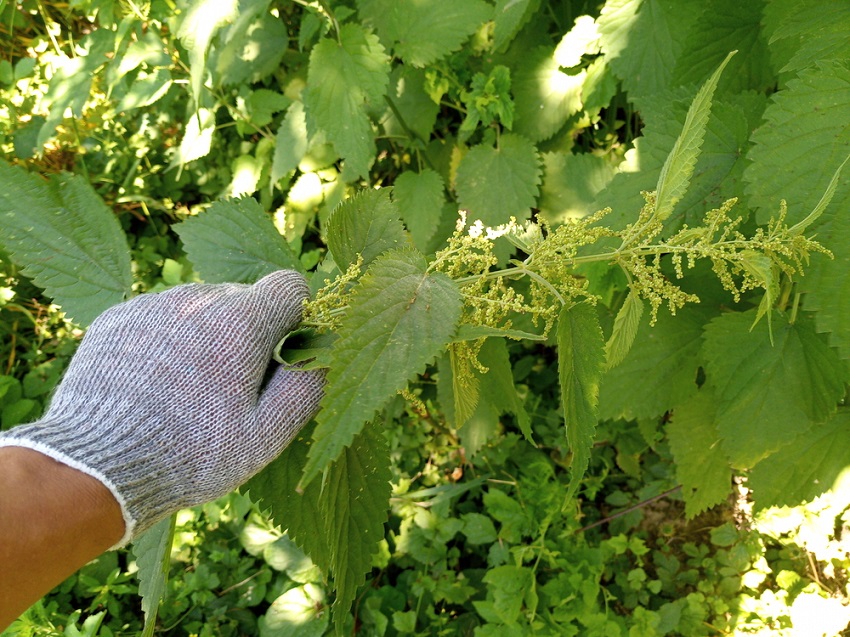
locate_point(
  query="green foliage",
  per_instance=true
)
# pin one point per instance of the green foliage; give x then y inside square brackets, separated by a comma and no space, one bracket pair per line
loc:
[342,79]
[400,317]
[219,253]
[580,363]
[88,265]
[153,557]
[356,131]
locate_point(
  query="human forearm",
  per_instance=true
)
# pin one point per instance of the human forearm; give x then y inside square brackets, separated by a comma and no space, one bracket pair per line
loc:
[53,520]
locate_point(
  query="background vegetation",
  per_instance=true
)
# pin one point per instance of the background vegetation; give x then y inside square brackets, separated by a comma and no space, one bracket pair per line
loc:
[710,431]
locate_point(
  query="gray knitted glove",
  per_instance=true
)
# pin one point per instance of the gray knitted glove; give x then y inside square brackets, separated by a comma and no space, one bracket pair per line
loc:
[165,401]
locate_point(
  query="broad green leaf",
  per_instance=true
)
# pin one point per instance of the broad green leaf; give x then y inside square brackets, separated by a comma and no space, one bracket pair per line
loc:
[252,50]
[718,171]
[420,198]
[581,40]
[801,143]
[510,17]
[198,22]
[803,470]
[423,31]
[828,286]
[723,26]
[803,32]
[235,241]
[342,79]
[474,407]
[495,184]
[497,385]
[296,613]
[262,105]
[642,40]
[581,358]
[676,173]
[299,513]
[147,89]
[544,95]
[354,504]
[412,112]
[768,395]
[466,391]
[290,144]
[66,240]
[701,464]
[400,318]
[571,183]
[365,225]
[153,558]
[659,371]
[197,137]
[625,329]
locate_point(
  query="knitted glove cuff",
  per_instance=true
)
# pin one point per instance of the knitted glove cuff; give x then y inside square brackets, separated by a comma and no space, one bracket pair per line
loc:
[143,502]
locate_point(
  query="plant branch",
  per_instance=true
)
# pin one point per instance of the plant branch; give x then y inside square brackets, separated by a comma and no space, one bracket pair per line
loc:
[628,510]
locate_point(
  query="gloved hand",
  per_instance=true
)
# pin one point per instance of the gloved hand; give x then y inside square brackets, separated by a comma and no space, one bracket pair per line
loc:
[165,402]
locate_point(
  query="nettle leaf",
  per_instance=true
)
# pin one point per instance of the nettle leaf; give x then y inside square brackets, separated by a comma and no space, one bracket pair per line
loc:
[365,225]
[625,329]
[235,241]
[718,170]
[423,31]
[413,113]
[336,521]
[299,513]
[153,558]
[790,25]
[252,49]
[466,390]
[420,198]
[805,469]
[701,464]
[290,143]
[800,144]
[659,371]
[571,183]
[581,358]
[510,17]
[495,184]
[342,79]
[768,394]
[354,504]
[197,137]
[66,240]
[642,40]
[497,385]
[723,26]
[828,286]
[544,95]
[198,23]
[676,172]
[400,318]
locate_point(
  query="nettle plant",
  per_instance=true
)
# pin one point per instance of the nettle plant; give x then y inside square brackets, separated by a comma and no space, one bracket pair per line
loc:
[648,302]
[384,314]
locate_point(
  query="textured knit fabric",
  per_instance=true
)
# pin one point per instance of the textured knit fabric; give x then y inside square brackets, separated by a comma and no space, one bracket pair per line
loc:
[168,401]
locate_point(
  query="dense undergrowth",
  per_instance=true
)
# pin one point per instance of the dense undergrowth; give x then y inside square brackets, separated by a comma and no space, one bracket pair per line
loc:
[545,111]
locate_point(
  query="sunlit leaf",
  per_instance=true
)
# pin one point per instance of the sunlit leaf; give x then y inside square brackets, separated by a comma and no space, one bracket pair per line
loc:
[581,357]
[66,239]
[400,319]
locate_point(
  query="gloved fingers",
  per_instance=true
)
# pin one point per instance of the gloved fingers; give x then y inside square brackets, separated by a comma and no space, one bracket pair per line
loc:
[278,298]
[289,400]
